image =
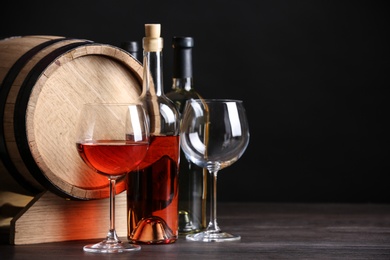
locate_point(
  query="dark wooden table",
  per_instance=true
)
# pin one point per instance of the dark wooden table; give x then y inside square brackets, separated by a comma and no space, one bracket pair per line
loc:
[268,230]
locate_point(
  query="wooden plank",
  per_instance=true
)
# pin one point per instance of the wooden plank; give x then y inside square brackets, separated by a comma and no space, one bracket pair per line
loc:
[50,218]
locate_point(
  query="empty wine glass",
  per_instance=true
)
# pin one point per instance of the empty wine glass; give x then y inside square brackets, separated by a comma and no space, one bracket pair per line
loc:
[214,135]
[112,139]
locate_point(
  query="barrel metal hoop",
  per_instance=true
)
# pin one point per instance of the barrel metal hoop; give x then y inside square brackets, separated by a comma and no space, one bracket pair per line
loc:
[21,108]
[5,87]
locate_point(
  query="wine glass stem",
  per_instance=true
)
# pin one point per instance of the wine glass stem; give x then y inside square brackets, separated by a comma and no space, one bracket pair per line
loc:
[213,225]
[112,236]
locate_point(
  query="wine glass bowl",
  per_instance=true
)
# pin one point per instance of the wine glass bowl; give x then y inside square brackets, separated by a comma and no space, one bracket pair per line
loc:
[214,135]
[112,139]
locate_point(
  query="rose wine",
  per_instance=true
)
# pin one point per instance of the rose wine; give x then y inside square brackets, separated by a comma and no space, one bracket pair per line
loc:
[152,189]
[112,157]
[152,193]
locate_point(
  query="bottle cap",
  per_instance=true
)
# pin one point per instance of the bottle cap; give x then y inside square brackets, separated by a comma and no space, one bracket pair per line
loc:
[130,46]
[182,42]
[182,56]
[152,41]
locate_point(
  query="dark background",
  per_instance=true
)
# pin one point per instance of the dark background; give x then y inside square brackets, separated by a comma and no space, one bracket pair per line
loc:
[312,75]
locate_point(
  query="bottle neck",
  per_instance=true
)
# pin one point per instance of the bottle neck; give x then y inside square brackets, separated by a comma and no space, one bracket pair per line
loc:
[152,83]
[182,83]
[182,63]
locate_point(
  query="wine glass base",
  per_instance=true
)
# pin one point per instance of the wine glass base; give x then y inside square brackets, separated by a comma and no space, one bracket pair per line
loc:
[207,236]
[107,247]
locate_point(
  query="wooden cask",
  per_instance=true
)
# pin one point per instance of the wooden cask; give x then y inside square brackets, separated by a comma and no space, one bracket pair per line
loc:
[44,80]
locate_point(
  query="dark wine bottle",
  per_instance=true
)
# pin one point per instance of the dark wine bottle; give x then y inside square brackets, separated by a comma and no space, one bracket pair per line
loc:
[132,47]
[192,178]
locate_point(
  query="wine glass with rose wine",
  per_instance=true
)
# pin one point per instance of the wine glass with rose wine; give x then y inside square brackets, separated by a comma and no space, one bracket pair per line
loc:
[214,135]
[112,139]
